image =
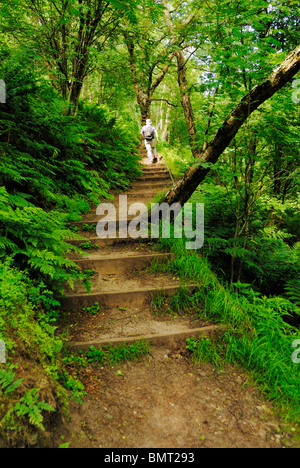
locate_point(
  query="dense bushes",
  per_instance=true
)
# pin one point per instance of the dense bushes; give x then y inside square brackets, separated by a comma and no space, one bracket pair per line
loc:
[255,333]
[30,392]
[52,168]
[252,246]
[269,255]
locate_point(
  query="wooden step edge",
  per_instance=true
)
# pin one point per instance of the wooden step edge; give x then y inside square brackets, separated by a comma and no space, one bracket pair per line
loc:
[121,263]
[135,256]
[154,175]
[90,222]
[106,242]
[155,185]
[149,194]
[155,171]
[163,339]
[109,298]
[153,181]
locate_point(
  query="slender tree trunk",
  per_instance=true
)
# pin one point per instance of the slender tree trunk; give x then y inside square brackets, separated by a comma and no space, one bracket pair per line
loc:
[143,82]
[74,97]
[186,102]
[182,78]
[144,102]
[183,189]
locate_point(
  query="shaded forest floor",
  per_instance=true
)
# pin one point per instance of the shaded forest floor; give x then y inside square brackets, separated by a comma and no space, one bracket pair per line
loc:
[165,401]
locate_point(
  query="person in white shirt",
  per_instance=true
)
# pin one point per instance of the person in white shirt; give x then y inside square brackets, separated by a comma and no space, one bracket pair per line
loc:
[149,133]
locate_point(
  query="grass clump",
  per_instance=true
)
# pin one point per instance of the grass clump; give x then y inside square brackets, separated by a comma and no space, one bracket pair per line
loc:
[256,333]
[113,355]
[108,355]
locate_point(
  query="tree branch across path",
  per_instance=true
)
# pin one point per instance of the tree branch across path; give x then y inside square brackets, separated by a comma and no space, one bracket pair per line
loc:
[283,74]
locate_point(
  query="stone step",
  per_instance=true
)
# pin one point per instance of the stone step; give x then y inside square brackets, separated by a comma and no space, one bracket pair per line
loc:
[111,264]
[156,174]
[94,221]
[170,339]
[155,170]
[157,165]
[137,296]
[148,192]
[106,242]
[155,178]
[153,186]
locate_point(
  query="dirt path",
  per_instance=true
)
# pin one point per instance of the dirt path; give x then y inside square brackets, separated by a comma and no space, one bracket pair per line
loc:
[162,400]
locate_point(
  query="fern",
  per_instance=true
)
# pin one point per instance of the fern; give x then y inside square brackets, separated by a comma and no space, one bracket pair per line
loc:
[8,384]
[292,291]
[30,406]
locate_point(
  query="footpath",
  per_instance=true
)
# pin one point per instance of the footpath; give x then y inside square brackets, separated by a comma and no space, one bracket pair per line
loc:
[160,400]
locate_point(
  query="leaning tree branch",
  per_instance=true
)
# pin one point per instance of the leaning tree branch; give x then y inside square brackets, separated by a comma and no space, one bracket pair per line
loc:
[165,100]
[283,74]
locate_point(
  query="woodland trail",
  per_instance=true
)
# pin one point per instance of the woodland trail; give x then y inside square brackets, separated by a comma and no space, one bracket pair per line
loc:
[161,400]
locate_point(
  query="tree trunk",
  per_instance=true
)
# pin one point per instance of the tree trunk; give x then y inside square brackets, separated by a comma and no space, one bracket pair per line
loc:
[74,97]
[144,102]
[186,102]
[182,78]
[183,189]
[143,81]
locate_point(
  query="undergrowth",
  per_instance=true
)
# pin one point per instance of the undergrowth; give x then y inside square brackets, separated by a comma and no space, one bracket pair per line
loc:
[108,355]
[31,393]
[53,167]
[256,334]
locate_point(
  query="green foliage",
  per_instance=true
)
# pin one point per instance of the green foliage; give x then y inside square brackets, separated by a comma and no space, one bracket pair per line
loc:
[292,291]
[30,406]
[89,227]
[31,343]
[54,166]
[126,352]
[8,383]
[22,320]
[256,334]
[94,309]
[110,147]
[74,385]
[96,355]
[203,350]
[115,354]
[178,304]
[88,245]
[43,250]
[178,158]
[269,254]
[51,168]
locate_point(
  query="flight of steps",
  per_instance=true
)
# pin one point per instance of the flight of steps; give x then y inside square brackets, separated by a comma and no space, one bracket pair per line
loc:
[122,286]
